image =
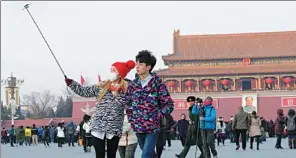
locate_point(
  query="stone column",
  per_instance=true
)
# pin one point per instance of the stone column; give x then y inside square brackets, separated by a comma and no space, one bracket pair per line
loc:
[216,83]
[259,83]
[278,79]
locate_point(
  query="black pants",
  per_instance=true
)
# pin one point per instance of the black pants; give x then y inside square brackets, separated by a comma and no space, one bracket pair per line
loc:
[243,134]
[84,143]
[46,141]
[221,138]
[161,140]
[60,141]
[182,139]
[88,141]
[168,138]
[278,141]
[112,146]
[257,141]
[208,142]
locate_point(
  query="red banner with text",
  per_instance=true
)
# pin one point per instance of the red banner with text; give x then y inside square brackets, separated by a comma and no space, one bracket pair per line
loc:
[288,101]
[182,104]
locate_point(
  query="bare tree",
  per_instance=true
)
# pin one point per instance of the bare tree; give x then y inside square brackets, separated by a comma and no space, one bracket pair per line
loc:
[40,103]
[67,92]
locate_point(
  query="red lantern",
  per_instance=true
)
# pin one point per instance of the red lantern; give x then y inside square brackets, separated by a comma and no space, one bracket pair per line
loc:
[225,82]
[269,81]
[171,83]
[287,80]
[206,82]
[188,83]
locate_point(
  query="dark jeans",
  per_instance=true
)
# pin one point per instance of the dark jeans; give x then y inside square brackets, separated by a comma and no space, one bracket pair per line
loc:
[208,141]
[128,151]
[40,139]
[51,138]
[71,139]
[221,138]
[12,140]
[278,141]
[112,145]
[60,141]
[168,138]
[243,134]
[88,142]
[252,140]
[46,141]
[28,140]
[147,143]
[161,140]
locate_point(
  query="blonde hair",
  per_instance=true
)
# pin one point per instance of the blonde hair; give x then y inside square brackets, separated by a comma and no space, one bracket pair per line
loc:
[106,87]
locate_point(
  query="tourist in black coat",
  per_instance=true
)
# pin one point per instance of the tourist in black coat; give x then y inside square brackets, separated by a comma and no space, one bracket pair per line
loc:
[182,126]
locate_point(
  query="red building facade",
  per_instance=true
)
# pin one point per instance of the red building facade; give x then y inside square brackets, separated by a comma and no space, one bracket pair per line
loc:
[229,68]
[232,68]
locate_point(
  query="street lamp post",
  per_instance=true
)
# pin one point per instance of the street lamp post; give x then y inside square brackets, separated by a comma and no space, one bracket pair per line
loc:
[12,83]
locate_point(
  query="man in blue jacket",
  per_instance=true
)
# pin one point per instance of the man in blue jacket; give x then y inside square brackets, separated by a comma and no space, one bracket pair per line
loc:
[207,125]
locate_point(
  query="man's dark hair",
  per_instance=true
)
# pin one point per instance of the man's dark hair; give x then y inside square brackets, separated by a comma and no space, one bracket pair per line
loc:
[249,97]
[86,118]
[145,56]
[199,100]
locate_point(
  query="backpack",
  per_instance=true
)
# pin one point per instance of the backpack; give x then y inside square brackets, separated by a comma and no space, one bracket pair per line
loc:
[291,124]
[70,130]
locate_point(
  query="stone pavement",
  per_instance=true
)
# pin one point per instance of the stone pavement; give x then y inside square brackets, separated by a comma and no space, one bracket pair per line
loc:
[267,150]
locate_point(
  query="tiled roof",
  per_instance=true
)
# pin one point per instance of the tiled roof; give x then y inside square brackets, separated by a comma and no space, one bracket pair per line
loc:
[228,70]
[229,46]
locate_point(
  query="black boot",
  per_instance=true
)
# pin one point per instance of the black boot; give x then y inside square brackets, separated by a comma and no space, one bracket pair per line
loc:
[178,156]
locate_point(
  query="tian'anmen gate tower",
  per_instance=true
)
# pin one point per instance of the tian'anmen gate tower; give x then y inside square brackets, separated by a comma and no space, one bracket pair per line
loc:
[246,69]
[253,70]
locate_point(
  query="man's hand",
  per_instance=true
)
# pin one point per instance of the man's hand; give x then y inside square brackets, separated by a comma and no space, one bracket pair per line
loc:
[202,118]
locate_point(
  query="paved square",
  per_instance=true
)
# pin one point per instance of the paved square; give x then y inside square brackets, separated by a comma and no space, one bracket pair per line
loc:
[267,150]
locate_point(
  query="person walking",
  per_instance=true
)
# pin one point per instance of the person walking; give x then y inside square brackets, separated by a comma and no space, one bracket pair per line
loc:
[255,131]
[60,134]
[46,136]
[279,128]
[34,135]
[182,127]
[71,132]
[240,124]
[148,101]
[291,128]
[220,131]
[193,136]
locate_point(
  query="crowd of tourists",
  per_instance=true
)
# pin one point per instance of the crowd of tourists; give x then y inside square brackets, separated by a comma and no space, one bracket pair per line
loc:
[132,113]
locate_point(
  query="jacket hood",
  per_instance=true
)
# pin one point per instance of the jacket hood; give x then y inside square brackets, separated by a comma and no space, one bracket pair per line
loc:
[240,109]
[280,112]
[291,112]
[71,124]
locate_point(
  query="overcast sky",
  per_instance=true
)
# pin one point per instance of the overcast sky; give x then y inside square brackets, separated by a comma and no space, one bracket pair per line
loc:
[87,37]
